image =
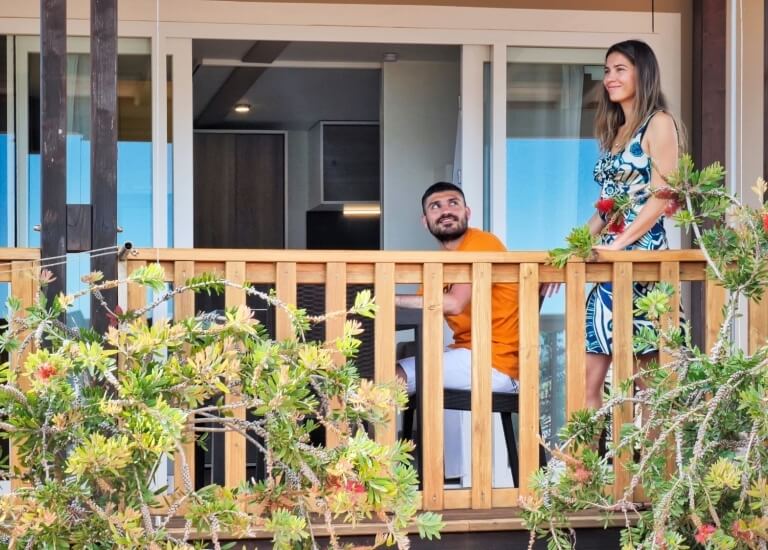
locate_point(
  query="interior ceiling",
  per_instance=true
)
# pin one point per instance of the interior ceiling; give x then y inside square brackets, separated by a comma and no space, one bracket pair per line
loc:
[326,51]
[294,99]
[283,96]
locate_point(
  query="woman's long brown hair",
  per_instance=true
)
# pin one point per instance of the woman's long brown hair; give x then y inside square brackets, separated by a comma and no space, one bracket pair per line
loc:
[648,95]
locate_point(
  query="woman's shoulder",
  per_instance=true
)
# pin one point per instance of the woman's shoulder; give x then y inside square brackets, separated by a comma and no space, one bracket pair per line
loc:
[661,123]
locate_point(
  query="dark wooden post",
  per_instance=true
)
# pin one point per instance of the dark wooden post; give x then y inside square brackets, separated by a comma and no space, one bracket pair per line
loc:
[104,147]
[707,135]
[53,143]
[709,81]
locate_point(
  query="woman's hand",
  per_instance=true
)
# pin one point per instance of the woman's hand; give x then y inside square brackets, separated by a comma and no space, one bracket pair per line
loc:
[549,289]
[608,247]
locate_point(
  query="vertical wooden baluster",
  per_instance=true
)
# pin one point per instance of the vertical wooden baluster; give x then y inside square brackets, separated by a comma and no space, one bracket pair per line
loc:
[384,341]
[716,297]
[623,360]
[431,395]
[234,443]
[529,374]
[184,307]
[24,286]
[575,337]
[286,293]
[335,300]
[137,294]
[669,272]
[482,363]
[758,324]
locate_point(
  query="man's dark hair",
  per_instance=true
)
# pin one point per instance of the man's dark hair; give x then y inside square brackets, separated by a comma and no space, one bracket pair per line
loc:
[439,187]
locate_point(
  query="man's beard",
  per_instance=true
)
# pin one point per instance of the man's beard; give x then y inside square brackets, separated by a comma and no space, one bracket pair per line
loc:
[448,234]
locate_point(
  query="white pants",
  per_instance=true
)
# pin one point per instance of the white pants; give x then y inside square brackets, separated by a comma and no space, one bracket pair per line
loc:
[457,375]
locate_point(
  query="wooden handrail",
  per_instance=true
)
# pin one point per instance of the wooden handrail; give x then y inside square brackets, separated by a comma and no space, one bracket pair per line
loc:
[397,256]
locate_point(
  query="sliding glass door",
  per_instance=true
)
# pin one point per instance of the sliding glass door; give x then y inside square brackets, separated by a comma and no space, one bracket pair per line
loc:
[551,151]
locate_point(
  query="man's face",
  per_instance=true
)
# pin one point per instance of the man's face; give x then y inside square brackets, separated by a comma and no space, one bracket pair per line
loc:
[446,215]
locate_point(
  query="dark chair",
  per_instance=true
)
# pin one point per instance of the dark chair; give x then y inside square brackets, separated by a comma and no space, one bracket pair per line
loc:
[505,404]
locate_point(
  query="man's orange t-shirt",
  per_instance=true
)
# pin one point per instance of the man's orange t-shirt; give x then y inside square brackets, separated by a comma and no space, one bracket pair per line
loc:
[504,310]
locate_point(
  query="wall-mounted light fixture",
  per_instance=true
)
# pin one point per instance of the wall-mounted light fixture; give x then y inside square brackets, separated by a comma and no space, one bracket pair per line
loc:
[242,108]
[362,209]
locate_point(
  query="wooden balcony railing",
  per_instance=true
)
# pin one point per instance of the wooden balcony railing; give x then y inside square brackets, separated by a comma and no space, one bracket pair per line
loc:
[286,271]
[20,268]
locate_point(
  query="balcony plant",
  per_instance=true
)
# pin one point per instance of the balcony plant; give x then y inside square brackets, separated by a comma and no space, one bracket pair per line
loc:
[92,416]
[701,450]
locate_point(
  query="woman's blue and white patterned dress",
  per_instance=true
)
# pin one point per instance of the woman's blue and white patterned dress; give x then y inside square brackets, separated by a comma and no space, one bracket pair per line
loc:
[627,172]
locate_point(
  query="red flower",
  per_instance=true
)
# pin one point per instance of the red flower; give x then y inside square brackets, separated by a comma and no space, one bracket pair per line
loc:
[355,487]
[581,474]
[616,226]
[765,222]
[666,193]
[45,371]
[605,206]
[740,530]
[113,317]
[671,207]
[703,533]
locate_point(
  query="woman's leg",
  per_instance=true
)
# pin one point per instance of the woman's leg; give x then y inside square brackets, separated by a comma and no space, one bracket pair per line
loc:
[597,368]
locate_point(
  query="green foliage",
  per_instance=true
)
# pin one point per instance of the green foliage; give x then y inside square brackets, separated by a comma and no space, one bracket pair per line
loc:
[580,243]
[701,448]
[97,414]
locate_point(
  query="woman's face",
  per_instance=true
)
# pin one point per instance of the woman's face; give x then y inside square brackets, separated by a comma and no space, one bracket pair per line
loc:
[620,78]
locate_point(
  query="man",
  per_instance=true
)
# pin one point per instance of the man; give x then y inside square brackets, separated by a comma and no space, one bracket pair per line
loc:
[446,216]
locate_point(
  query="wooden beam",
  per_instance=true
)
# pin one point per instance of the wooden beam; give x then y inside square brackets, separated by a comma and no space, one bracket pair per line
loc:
[707,136]
[234,88]
[104,148]
[53,132]
[265,51]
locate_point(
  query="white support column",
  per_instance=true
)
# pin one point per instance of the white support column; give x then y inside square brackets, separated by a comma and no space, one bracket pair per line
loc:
[472,59]
[180,50]
[744,147]
[159,140]
[10,181]
[499,141]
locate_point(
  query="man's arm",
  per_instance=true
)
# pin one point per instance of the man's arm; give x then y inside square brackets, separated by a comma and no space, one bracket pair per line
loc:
[455,299]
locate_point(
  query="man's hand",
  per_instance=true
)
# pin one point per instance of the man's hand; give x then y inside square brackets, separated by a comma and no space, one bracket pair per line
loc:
[410,301]
[456,297]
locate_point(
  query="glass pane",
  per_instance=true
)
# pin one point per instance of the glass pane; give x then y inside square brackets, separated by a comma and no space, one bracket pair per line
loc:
[551,151]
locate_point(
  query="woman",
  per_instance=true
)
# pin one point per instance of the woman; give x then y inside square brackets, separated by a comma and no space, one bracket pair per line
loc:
[639,139]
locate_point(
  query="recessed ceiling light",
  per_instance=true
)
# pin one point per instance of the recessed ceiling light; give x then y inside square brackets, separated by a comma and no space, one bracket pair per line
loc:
[242,108]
